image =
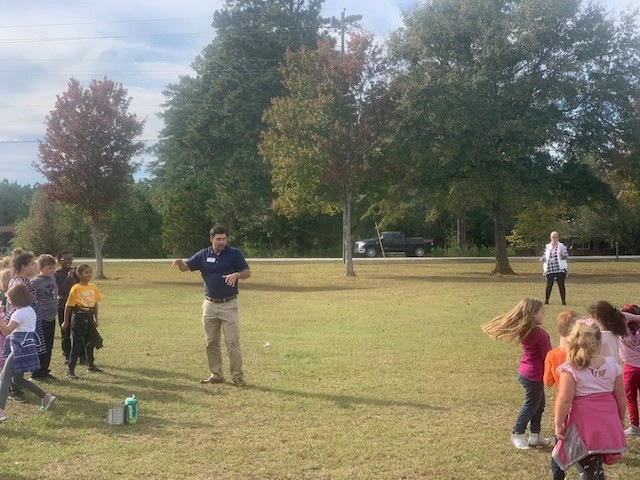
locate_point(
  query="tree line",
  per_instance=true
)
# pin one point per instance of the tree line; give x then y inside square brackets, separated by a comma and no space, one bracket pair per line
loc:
[480,124]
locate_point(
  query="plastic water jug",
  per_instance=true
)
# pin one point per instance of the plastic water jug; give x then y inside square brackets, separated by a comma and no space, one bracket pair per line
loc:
[132,409]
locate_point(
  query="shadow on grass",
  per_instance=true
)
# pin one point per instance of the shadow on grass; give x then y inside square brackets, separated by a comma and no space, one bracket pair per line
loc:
[154,373]
[466,278]
[630,461]
[173,283]
[487,278]
[604,278]
[269,287]
[14,476]
[347,401]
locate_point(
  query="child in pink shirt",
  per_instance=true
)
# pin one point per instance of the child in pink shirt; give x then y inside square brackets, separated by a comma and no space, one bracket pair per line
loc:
[590,407]
[522,323]
[630,355]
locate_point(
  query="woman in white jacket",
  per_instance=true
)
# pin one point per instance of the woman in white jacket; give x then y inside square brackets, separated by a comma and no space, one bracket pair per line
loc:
[555,266]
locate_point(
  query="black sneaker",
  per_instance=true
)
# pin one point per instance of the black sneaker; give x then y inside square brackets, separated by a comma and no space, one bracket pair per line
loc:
[94,369]
[48,376]
[72,376]
[17,396]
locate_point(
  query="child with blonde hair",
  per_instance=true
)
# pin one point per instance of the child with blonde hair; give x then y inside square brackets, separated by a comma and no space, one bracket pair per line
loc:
[556,357]
[5,277]
[522,323]
[590,407]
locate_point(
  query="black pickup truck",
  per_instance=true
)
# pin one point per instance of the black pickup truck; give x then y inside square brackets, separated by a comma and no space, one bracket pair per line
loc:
[394,242]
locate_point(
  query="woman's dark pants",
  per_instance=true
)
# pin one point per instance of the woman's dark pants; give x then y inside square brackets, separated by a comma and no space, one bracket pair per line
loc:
[559,277]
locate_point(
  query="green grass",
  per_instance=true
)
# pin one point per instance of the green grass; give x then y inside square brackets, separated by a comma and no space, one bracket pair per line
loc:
[387,375]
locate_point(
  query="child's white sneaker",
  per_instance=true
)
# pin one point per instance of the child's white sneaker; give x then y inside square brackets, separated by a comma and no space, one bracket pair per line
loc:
[632,431]
[519,442]
[537,440]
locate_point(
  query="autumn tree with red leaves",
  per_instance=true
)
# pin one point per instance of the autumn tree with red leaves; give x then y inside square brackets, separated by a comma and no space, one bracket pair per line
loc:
[87,153]
[323,138]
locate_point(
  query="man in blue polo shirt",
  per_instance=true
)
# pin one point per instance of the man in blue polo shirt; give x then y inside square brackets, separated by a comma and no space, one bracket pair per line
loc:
[221,267]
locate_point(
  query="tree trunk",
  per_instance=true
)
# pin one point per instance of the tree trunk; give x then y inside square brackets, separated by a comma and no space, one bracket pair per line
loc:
[97,247]
[462,234]
[346,231]
[502,260]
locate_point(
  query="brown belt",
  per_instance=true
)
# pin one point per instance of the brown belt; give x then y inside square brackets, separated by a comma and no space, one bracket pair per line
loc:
[221,300]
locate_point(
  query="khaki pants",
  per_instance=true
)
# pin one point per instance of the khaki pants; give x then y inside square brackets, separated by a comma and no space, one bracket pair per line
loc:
[216,317]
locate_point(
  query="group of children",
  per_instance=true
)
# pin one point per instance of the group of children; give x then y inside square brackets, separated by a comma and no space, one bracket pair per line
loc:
[589,409]
[28,307]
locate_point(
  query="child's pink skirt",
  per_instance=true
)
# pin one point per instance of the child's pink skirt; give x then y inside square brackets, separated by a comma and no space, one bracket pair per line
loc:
[592,427]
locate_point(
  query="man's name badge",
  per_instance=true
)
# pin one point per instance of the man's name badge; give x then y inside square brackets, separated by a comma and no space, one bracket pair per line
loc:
[211,259]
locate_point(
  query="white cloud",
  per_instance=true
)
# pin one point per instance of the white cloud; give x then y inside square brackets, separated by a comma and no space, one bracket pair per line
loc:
[134,43]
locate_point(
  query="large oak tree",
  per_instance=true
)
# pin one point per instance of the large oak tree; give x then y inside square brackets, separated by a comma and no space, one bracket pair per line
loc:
[497,94]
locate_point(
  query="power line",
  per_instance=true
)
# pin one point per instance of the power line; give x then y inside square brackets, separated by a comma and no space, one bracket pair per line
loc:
[55,39]
[141,60]
[5,142]
[104,22]
[251,104]
[273,31]
[140,20]
[121,74]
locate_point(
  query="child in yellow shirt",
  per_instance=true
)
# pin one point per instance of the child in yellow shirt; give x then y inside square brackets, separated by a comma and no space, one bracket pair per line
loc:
[81,312]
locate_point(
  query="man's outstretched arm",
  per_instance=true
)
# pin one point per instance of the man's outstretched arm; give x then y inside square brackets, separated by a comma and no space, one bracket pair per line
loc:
[181,264]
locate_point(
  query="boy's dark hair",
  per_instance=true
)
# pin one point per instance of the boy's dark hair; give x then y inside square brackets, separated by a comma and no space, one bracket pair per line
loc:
[609,317]
[45,260]
[20,259]
[79,269]
[62,254]
[19,295]
[218,231]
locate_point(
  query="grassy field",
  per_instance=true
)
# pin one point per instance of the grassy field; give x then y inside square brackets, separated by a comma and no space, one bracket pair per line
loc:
[387,375]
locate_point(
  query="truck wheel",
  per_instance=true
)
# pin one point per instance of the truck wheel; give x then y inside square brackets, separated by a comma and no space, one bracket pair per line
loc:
[418,251]
[370,252]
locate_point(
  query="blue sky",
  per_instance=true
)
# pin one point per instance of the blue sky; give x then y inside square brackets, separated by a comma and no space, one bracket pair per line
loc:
[144,45]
